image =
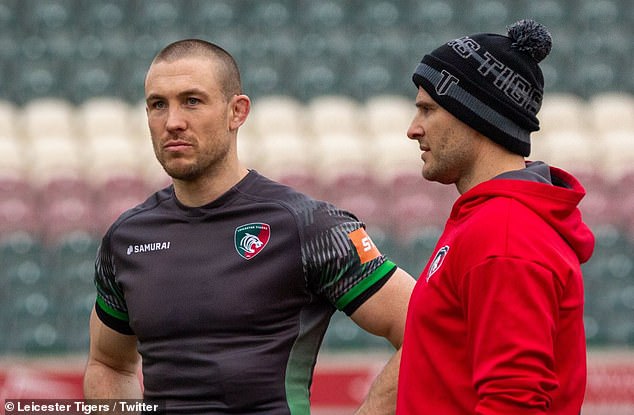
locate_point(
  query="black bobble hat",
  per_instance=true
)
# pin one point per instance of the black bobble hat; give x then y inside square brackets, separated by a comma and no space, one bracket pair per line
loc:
[491,82]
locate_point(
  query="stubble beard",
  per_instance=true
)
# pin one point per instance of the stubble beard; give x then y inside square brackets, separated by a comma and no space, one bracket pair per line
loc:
[204,165]
[442,168]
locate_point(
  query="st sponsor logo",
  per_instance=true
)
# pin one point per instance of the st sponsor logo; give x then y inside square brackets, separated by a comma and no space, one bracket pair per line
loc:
[363,243]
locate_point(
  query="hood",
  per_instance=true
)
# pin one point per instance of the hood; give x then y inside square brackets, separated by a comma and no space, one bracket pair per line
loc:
[557,205]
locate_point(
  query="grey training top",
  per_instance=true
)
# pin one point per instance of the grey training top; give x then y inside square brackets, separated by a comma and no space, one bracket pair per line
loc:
[230,301]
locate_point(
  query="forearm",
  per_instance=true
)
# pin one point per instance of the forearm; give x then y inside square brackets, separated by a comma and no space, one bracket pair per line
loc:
[103,382]
[381,398]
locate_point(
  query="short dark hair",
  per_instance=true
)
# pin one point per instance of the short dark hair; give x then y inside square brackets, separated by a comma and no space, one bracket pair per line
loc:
[227,65]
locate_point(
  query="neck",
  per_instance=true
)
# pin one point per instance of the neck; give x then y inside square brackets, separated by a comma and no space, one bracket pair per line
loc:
[208,188]
[491,161]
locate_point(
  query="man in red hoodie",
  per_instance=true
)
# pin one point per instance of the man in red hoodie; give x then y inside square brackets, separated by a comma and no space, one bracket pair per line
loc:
[495,323]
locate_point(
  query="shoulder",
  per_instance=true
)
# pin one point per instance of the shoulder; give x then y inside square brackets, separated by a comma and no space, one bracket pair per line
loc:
[306,209]
[506,228]
[500,212]
[152,202]
[500,223]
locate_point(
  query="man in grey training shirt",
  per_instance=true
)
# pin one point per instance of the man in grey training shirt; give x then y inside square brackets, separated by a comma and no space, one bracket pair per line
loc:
[225,281]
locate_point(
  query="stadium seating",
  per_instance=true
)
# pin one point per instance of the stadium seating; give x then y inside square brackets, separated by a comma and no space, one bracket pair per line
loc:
[333,114]
[562,111]
[330,83]
[281,155]
[12,164]
[357,156]
[299,48]
[51,117]
[8,115]
[54,158]
[610,111]
[323,16]
[551,13]
[387,114]
[276,114]
[103,117]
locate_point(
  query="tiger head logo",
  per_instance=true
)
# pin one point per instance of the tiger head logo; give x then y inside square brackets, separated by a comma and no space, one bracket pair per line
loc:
[250,243]
[251,238]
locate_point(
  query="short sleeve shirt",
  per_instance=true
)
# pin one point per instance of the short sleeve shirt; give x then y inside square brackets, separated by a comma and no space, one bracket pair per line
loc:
[230,301]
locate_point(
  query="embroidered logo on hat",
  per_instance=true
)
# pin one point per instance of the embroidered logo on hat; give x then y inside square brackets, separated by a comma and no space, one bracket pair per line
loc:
[446,81]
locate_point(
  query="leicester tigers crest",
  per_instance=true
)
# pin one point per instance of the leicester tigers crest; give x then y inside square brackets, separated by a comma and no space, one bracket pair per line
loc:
[437,261]
[250,239]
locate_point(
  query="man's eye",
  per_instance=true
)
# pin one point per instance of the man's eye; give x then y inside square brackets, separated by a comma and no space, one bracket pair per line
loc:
[192,101]
[158,105]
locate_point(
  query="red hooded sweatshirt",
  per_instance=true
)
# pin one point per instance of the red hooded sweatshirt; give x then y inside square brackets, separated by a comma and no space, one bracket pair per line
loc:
[495,323]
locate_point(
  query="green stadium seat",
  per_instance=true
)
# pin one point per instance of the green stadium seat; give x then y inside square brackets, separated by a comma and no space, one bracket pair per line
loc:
[213,16]
[344,335]
[315,79]
[268,15]
[131,77]
[46,16]
[105,17]
[595,335]
[33,325]
[21,256]
[323,16]
[487,16]
[370,79]
[431,16]
[72,261]
[25,277]
[36,81]
[597,14]
[7,16]
[156,16]
[378,14]
[39,339]
[551,13]
[592,77]
[91,78]
[74,321]
[263,80]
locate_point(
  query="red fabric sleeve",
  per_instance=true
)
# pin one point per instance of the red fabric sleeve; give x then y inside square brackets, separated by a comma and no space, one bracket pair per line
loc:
[512,313]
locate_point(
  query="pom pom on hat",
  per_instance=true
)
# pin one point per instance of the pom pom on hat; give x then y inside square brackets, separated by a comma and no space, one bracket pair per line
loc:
[531,37]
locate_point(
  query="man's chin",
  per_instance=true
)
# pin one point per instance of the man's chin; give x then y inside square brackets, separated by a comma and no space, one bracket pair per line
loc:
[181,172]
[434,176]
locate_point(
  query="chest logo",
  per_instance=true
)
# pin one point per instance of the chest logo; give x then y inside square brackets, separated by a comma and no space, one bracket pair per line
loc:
[251,238]
[148,247]
[437,261]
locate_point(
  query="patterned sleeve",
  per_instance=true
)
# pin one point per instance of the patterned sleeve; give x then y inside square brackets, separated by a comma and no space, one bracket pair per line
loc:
[341,261]
[110,307]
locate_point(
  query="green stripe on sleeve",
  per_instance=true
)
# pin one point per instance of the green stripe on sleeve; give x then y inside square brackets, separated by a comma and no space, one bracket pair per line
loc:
[111,311]
[366,283]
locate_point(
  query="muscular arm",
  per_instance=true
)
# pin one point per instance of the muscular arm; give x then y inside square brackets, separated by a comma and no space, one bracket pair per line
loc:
[384,314]
[111,371]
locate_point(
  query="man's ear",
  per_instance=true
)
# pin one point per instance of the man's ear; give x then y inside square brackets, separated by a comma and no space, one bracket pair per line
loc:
[240,106]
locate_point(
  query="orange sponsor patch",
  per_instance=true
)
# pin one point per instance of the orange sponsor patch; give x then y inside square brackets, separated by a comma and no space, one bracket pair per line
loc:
[365,247]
